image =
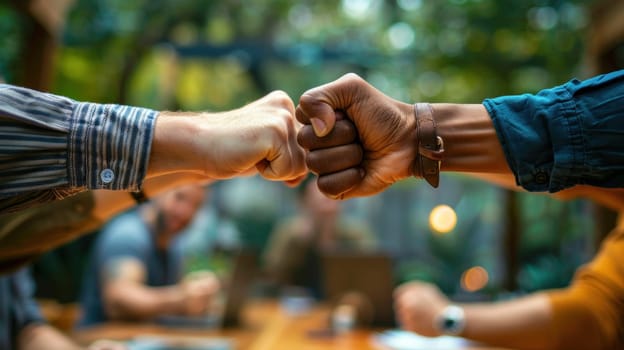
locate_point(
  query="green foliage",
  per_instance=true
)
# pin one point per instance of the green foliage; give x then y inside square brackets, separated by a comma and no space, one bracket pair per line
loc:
[217,55]
[461,51]
[11,32]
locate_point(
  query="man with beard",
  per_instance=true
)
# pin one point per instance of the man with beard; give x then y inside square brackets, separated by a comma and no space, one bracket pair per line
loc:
[135,269]
[293,254]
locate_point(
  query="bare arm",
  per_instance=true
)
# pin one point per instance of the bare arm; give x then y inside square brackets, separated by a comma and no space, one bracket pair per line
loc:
[260,136]
[42,336]
[470,141]
[117,147]
[127,297]
[361,141]
[524,323]
[612,198]
[362,155]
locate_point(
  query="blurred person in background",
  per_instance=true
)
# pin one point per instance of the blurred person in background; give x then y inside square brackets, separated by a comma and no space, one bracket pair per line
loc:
[23,325]
[293,254]
[586,315]
[135,272]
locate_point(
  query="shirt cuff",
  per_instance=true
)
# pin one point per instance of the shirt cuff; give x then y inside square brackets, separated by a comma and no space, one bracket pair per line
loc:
[541,137]
[109,146]
[564,136]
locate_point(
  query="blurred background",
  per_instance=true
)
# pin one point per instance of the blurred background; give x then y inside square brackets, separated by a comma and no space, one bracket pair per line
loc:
[219,55]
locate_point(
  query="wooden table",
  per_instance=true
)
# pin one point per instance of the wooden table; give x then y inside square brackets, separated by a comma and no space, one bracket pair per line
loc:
[267,327]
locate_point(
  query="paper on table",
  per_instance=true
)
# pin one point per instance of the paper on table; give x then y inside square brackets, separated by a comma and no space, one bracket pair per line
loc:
[402,340]
[155,342]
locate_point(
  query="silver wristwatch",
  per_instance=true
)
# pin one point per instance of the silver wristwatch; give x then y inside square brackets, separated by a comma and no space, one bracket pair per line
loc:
[450,320]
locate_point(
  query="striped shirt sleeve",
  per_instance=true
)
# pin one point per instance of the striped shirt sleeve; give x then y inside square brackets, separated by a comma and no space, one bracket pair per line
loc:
[52,147]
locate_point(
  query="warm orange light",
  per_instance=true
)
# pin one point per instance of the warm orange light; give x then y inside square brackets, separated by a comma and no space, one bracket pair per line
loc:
[474,279]
[442,219]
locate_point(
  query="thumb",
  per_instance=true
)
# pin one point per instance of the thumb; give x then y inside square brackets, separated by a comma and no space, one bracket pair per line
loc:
[318,106]
[314,110]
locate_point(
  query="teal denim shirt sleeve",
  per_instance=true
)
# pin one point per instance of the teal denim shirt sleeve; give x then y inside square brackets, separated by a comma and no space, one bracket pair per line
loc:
[567,135]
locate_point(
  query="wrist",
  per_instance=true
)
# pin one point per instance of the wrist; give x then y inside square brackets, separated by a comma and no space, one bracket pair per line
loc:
[409,146]
[173,146]
[176,299]
[470,140]
[429,145]
[451,320]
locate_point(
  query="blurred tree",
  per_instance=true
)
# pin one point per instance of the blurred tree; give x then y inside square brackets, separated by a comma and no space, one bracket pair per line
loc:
[202,54]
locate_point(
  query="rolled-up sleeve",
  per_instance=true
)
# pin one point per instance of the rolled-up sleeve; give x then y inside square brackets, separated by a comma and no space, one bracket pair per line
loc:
[568,135]
[52,146]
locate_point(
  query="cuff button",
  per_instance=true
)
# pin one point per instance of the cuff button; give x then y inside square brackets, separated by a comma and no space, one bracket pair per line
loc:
[541,178]
[107,176]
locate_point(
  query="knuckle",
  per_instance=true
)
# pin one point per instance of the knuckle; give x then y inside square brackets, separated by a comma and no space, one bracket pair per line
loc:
[282,121]
[312,161]
[306,137]
[278,95]
[351,77]
[357,153]
[282,98]
[301,139]
[301,116]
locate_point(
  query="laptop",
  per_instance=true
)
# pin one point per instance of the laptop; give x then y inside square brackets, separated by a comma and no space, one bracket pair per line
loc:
[369,273]
[242,274]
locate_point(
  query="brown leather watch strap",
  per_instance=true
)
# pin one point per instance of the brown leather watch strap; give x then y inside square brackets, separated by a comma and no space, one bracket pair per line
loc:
[430,146]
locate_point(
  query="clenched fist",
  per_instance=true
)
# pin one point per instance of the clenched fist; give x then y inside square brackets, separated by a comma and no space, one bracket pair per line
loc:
[360,141]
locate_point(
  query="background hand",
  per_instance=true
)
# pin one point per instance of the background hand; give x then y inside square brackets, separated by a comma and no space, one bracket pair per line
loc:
[417,304]
[382,151]
[199,288]
[107,345]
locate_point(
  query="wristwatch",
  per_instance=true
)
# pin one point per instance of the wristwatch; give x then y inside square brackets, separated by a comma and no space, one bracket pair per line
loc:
[450,320]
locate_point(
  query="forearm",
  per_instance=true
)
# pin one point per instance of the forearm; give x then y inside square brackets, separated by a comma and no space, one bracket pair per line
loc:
[210,144]
[41,336]
[472,145]
[525,323]
[612,198]
[173,144]
[66,146]
[470,140]
[137,302]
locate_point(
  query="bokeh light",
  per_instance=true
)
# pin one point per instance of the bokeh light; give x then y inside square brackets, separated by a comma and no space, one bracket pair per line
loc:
[401,35]
[442,219]
[410,5]
[474,279]
[543,18]
[359,9]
